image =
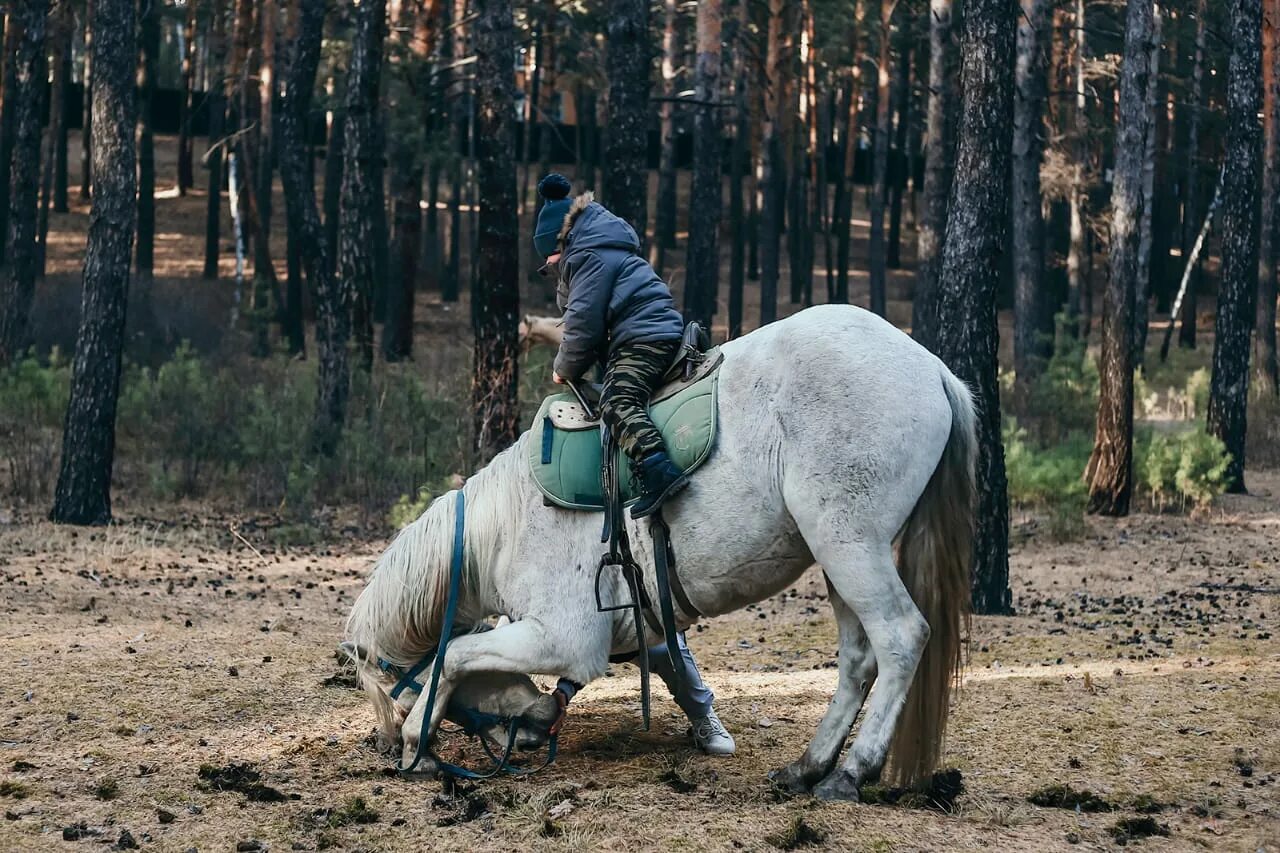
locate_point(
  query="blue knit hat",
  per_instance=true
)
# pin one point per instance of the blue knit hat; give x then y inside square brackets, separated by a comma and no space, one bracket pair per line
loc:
[554,189]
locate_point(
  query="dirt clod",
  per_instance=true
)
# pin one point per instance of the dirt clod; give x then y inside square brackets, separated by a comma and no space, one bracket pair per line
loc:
[1130,828]
[125,841]
[242,778]
[165,816]
[77,831]
[353,811]
[1066,797]
[677,783]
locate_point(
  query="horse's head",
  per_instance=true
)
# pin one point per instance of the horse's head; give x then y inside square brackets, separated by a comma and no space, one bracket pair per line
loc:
[485,701]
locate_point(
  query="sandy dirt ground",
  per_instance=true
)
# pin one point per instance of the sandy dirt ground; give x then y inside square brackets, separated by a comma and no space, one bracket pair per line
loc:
[1141,667]
[150,669]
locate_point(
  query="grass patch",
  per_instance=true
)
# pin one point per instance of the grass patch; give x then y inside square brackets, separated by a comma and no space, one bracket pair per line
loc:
[14,790]
[106,789]
[798,833]
[1066,797]
[241,778]
[353,811]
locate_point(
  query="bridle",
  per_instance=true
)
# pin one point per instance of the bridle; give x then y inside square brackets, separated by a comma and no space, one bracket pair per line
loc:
[474,721]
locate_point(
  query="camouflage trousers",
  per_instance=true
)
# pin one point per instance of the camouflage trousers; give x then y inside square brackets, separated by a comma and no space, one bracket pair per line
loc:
[632,375]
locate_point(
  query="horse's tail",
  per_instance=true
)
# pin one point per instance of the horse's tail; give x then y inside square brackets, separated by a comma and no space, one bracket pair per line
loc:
[934,555]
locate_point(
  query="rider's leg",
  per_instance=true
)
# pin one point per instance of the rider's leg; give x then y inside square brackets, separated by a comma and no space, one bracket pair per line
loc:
[694,698]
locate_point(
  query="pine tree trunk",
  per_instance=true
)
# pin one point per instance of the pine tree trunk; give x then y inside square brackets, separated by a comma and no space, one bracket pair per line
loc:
[83,494]
[60,139]
[626,142]
[901,99]
[360,208]
[59,47]
[1078,261]
[1266,367]
[266,286]
[938,166]
[664,226]
[1033,310]
[149,39]
[334,164]
[86,118]
[213,156]
[877,265]
[186,177]
[1242,176]
[495,306]
[1110,471]
[24,101]
[13,36]
[738,36]
[333,324]
[773,180]
[967,332]
[842,216]
[1191,205]
[1142,288]
[703,282]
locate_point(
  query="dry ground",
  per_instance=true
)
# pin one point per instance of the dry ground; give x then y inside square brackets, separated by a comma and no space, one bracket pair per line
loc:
[1142,664]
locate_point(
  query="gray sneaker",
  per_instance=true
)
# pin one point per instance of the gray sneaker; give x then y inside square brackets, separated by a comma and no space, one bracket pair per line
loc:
[711,736]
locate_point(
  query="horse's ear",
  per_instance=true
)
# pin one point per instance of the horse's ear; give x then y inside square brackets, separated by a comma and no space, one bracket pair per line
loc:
[357,654]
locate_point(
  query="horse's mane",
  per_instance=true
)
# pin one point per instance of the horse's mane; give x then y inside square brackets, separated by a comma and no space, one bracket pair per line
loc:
[398,615]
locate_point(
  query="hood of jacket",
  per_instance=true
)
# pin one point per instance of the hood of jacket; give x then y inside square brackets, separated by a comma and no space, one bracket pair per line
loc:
[588,225]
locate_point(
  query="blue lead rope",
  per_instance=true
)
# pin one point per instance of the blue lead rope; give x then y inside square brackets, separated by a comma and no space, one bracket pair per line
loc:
[450,610]
[478,720]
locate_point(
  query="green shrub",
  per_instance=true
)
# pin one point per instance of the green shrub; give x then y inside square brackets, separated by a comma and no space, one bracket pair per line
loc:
[33,400]
[1040,476]
[1188,466]
[181,418]
[1065,397]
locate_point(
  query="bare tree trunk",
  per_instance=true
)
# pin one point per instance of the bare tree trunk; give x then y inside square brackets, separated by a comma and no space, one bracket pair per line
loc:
[333,323]
[13,36]
[626,143]
[213,156]
[1078,265]
[266,286]
[842,213]
[149,37]
[967,333]
[83,494]
[901,97]
[334,164]
[703,282]
[1110,470]
[86,119]
[59,39]
[739,32]
[1033,310]
[877,266]
[186,177]
[495,306]
[24,102]
[357,240]
[61,87]
[1266,367]
[1191,201]
[773,164]
[664,226]
[1142,289]
[938,168]
[1242,176]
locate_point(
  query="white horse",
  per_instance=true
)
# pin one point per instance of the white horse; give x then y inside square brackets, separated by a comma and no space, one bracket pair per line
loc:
[840,438]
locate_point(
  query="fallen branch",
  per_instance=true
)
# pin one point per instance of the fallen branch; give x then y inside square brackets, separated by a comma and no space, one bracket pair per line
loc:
[1191,263]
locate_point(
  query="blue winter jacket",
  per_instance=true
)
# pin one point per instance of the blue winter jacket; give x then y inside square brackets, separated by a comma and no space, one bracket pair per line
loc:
[609,294]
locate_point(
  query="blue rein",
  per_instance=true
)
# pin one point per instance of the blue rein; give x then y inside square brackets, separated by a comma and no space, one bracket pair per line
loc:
[476,720]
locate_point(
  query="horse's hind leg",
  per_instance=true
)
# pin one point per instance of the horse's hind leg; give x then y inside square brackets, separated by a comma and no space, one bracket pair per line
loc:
[867,580]
[857,670]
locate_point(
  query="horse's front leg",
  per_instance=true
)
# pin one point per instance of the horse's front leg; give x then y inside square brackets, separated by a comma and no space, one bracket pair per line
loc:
[524,648]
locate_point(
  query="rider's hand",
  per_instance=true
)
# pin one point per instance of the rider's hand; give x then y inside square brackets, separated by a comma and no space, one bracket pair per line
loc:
[557,378]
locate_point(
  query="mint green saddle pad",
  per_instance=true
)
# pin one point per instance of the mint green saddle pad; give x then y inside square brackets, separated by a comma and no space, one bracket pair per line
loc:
[564,450]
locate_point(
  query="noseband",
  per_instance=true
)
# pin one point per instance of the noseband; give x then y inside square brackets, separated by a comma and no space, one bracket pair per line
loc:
[475,721]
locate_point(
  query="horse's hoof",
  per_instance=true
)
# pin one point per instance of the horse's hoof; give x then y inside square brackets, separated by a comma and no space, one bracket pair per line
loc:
[840,785]
[791,778]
